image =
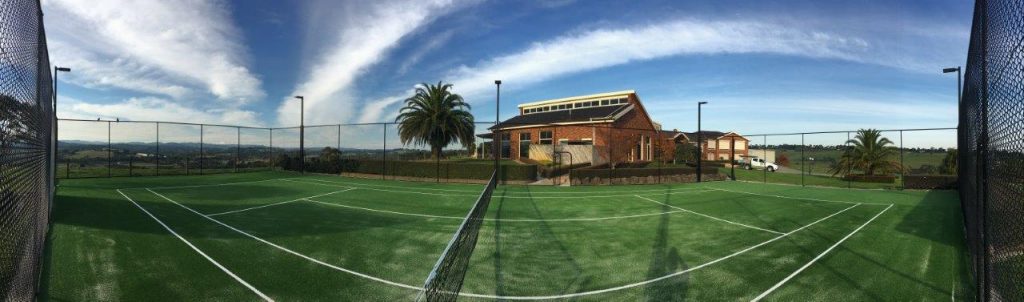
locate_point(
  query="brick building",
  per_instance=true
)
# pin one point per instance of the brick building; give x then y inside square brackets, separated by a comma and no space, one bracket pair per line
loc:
[599,128]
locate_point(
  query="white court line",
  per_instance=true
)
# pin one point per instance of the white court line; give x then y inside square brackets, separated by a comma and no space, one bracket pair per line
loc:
[777,285]
[211,185]
[799,198]
[503,192]
[280,203]
[491,219]
[385,281]
[418,288]
[221,267]
[708,216]
[478,195]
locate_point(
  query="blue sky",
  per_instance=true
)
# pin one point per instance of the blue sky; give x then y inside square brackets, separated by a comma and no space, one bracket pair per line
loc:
[764,66]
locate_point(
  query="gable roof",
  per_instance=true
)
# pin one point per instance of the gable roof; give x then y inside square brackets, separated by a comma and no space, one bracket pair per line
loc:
[580,115]
[708,134]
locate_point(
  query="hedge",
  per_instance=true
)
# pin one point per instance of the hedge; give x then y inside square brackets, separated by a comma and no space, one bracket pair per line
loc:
[422,169]
[883,179]
[929,182]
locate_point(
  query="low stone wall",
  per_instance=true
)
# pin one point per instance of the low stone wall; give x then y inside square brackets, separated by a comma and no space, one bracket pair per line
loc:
[643,180]
[432,179]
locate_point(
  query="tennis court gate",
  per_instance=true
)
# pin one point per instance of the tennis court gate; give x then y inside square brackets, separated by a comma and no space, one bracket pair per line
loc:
[26,147]
[992,139]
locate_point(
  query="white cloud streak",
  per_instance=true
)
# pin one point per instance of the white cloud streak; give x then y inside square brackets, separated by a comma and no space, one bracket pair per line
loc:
[153,109]
[360,40]
[601,48]
[172,48]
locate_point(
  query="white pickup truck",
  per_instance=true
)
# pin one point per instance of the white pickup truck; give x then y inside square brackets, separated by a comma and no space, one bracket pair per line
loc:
[758,163]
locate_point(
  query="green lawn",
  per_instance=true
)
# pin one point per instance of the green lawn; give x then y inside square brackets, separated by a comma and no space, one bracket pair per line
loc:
[318,237]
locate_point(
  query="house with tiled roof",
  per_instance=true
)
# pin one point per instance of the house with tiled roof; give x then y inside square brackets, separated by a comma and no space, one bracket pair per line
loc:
[597,128]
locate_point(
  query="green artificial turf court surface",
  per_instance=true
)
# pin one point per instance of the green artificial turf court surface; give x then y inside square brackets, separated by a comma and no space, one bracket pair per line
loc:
[291,237]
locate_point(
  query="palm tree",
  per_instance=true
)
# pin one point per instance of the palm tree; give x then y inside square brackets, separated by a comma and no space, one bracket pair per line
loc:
[437,117]
[870,152]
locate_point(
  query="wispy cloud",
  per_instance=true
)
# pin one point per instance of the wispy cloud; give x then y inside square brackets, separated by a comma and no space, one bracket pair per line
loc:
[359,41]
[600,48]
[153,109]
[172,48]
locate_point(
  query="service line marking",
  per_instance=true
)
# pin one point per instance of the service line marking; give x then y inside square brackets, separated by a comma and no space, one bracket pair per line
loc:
[475,295]
[201,253]
[709,216]
[280,203]
[809,263]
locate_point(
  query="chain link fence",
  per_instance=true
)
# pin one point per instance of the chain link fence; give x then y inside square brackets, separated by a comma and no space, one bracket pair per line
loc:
[26,145]
[992,137]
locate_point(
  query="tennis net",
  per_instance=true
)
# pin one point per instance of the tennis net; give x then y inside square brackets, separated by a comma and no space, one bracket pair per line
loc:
[445,280]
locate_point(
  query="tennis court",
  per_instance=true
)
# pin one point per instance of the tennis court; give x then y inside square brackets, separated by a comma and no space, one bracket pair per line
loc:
[285,236]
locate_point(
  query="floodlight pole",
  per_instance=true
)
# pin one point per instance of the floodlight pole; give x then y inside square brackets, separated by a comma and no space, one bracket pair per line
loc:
[496,140]
[302,133]
[960,107]
[700,147]
[56,124]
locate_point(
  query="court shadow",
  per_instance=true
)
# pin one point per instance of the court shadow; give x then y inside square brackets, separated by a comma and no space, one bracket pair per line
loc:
[536,247]
[666,260]
[111,211]
[935,206]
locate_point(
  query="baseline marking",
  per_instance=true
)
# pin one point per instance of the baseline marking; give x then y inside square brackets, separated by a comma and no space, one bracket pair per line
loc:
[477,195]
[280,203]
[507,192]
[777,285]
[491,219]
[212,185]
[201,253]
[799,198]
[418,288]
[709,216]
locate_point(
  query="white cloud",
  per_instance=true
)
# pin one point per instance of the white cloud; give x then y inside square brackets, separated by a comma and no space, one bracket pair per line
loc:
[153,109]
[358,41]
[173,48]
[606,47]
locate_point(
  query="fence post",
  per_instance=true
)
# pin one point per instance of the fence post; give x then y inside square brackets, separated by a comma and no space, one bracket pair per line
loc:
[201,151]
[131,165]
[903,177]
[271,161]
[803,159]
[108,149]
[238,146]
[157,148]
[384,166]
[732,157]
[849,163]
[765,159]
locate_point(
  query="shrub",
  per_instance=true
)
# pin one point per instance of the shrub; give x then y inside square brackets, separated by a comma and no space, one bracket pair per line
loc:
[885,179]
[929,182]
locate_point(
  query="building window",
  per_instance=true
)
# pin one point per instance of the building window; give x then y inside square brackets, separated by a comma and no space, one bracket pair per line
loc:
[524,145]
[605,102]
[564,141]
[546,138]
[578,105]
[593,103]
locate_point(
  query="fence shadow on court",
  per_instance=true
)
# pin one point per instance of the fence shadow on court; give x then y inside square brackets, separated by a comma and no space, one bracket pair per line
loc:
[666,260]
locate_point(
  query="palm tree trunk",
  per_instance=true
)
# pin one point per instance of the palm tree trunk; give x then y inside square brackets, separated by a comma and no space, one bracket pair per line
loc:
[435,151]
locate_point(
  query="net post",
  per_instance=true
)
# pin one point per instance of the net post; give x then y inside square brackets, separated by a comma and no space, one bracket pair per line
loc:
[803,160]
